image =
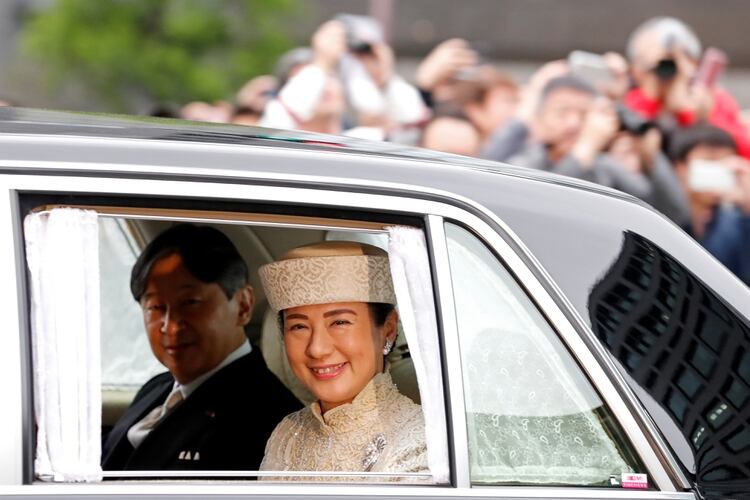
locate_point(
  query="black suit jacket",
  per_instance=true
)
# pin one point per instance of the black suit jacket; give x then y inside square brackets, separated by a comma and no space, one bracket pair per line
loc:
[223,425]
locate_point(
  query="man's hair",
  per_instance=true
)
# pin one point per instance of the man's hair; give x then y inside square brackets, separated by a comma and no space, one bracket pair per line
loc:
[206,253]
[668,30]
[571,82]
[683,141]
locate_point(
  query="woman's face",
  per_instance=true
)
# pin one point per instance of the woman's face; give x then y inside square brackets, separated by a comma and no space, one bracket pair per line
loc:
[335,349]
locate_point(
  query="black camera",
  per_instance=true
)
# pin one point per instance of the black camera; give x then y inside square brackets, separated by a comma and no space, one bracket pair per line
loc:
[361,32]
[632,122]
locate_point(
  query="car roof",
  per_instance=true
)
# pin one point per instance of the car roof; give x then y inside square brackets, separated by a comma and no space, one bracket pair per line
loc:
[40,123]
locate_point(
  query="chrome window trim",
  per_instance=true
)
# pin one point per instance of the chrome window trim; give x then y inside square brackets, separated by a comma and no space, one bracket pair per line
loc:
[451,344]
[252,489]
[12,364]
[320,197]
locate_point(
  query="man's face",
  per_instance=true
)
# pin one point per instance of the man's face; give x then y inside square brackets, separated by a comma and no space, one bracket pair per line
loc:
[561,117]
[191,325]
[649,50]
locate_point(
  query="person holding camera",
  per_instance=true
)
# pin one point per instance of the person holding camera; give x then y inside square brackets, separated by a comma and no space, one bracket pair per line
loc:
[564,126]
[673,85]
[348,61]
[455,82]
[717,181]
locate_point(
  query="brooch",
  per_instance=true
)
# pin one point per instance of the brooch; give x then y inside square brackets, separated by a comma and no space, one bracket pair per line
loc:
[372,452]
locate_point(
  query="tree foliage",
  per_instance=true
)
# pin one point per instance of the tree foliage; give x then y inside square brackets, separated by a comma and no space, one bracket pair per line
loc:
[170,51]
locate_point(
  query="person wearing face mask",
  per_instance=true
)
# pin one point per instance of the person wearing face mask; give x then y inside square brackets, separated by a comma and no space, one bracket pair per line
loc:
[717,182]
[336,308]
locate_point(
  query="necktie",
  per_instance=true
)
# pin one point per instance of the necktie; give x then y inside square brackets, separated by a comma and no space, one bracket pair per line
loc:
[140,430]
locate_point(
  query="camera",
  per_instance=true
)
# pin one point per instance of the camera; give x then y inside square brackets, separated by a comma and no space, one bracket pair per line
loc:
[632,122]
[361,32]
[665,70]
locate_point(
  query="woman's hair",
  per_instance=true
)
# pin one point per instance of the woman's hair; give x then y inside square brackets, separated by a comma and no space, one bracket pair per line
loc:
[379,312]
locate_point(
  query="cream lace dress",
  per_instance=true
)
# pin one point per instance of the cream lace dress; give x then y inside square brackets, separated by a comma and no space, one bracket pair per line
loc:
[381,430]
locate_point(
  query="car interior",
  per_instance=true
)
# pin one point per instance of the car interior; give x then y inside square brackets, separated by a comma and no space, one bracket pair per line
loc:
[259,243]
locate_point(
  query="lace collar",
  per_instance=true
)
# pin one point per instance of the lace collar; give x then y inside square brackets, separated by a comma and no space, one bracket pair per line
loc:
[367,405]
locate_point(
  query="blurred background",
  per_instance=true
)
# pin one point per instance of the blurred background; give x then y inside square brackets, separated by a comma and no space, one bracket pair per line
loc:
[83,54]
[650,97]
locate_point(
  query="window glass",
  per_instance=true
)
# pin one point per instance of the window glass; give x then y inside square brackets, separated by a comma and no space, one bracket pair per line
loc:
[532,416]
[127,360]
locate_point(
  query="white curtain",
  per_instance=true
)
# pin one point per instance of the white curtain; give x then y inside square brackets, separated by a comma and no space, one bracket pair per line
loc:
[410,270]
[63,259]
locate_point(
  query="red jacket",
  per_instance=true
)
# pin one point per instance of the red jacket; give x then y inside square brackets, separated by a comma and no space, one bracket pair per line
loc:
[725,115]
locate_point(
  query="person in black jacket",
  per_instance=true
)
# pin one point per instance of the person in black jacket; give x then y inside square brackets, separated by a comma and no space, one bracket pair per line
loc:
[218,403]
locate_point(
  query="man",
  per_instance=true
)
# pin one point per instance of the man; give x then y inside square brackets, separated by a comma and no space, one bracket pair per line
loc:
[316,83]
[719,211]
[453,81]
[664,56]
[218,403]
[572,129]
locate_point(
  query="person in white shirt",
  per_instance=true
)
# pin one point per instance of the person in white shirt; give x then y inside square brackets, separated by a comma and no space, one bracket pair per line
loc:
[318,83]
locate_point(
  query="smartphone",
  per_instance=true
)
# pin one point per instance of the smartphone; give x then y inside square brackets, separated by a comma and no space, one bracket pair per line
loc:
[589,66]
[473,73]
[711,67]
[714,176]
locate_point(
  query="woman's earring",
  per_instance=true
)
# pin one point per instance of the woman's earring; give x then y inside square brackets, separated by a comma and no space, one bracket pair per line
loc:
[387,347]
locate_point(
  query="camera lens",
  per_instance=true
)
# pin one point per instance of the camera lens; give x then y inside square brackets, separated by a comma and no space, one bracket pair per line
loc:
[666,69]
[360,47]
[632,122]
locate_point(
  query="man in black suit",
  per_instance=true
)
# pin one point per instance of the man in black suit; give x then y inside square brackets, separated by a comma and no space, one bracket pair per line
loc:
[218,403]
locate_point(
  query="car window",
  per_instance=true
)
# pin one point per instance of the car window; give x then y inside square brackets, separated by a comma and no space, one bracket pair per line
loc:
[532,416]
[128,363]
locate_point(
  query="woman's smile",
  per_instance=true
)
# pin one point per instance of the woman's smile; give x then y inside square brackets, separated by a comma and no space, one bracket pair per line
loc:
[327,372]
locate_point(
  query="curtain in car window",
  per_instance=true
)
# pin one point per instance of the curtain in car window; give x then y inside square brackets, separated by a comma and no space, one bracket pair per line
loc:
[63,260]
[410,270]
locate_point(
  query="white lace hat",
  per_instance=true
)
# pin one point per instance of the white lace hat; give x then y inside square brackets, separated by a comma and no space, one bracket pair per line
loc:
[332,271]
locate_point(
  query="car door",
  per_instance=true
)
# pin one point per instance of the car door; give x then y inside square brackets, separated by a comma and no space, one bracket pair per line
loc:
[219,201]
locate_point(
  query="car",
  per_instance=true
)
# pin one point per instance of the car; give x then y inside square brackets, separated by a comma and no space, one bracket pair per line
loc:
[565,340]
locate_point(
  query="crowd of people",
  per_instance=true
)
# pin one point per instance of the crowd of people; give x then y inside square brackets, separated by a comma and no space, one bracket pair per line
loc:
[652,122]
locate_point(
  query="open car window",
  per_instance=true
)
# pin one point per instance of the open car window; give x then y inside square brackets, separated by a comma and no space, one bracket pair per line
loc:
[127,360]
[127,363]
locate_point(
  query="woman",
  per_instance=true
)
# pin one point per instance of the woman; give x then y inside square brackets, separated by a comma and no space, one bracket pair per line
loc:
[336,308]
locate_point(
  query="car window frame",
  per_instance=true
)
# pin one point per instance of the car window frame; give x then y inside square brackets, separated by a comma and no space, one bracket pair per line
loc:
[434,211]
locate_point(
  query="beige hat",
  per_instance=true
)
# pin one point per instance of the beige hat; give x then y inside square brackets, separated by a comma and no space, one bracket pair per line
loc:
[332,271]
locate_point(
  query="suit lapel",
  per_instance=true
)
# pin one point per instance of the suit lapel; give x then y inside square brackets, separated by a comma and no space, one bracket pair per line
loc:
[186,426]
